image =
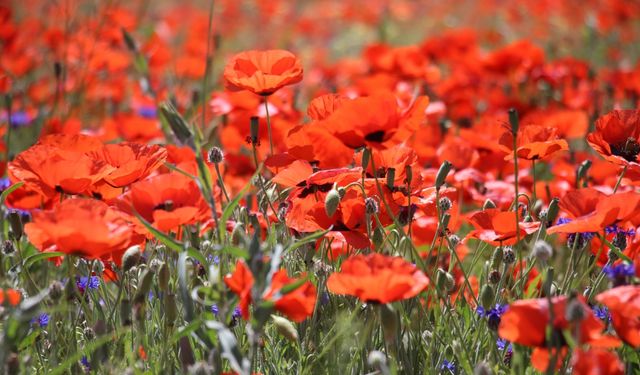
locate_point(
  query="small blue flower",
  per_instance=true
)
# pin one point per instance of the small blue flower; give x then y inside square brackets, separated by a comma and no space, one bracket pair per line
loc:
[615,229]
[148,112]
[4,183]
[502,344]
[619,271]
[236,313]
[19,119]
[447,366]
[215,310]
[584,236]
[602,313]
[84,282]
[85,364]
[42,320]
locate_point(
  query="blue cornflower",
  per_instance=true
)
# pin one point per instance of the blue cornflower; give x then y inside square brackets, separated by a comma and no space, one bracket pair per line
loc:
[236,313]
[18,119]
[571,238]
[84,282]
[42,320]
[24,215]
[85,363]
[215,310]
[615,229]
[602,313]
[4,183]
[619,271]
[148,112]
[502,344]
[493,315]
[448,366]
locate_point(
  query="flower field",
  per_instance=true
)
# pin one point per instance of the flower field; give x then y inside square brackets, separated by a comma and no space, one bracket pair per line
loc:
[320,187]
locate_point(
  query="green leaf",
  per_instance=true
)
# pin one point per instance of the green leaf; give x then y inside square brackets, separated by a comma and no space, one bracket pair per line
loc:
[184,287]
[186,330]
[29,340]
[40,256]
[9,190]
[307,239]
[89,348]
[168,241]
[291,287]
[228,210]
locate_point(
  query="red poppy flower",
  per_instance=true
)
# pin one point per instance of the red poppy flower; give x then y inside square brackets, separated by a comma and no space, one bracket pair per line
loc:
[596,362]
[297,304]
[262,72]
[85,227]
[592,211]
[499,227]
[525,323]
[617,137]
[372,120]
[167,201]
[11,295]
[624,304]
[48,170]
[533,142]
[132,161]
[378,278]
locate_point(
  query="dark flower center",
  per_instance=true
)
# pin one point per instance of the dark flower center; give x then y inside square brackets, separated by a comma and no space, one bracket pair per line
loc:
[628,149]
[166,206]
[377,136]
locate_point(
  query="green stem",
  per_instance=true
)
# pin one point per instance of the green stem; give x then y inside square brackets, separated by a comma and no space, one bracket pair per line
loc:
[266,108]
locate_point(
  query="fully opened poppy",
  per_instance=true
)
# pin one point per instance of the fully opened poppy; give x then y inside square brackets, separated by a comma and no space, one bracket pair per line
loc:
[297,304]
[84,227]
[262,72]
[132,161]
[11,296]
[624,305]
[592,211]
[377,278]
[617,137]
[525,323]
[533,142]
[167,201]
[50,170]
[596,362]
[499,227]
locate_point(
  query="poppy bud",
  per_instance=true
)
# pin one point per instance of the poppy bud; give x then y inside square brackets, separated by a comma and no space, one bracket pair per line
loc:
[254,127]
[513,120]
[408,171]
[371,206]
[125,312]
[575,311]
[444,281]
[442,174]
[487,296]
[366,155]
[89,333]
[131,258]
[378,236]
[552,211]
[341,191]
[200,368]
[163,277]
[285,328]
[170,309]
[445,204]
[581,173]
[488,204]
[391,176]
[128,40]
[216,156]
[389,320]
[331,202]
[542,250]
[377,359]
[15,221]
[56,290]
[178,125]
[509,255]
[482,368]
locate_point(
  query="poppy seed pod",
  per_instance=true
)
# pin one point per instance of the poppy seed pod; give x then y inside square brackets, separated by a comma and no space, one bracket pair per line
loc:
[445,204]
[15,221]
[494,276]
[444,281]
[366,156]
[253,128]
[513,120]
[170,309]
[131,258]
[331,202]
[509,255]
[575,311]
[391,176]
